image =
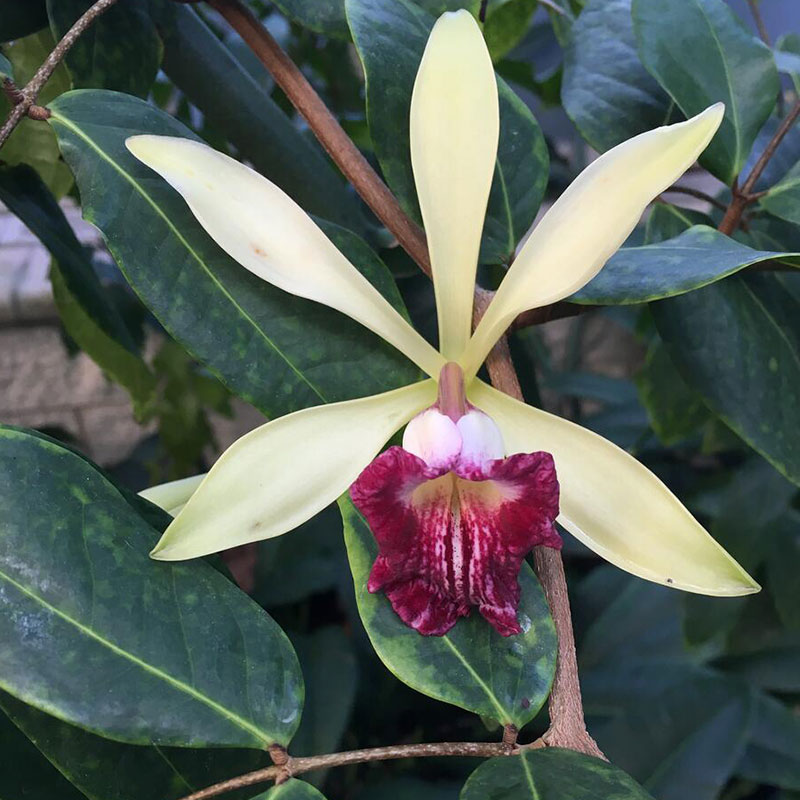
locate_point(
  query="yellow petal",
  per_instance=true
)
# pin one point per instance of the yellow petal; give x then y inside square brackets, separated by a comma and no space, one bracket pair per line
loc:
[279,475]
[455,125]
[263,229]
[172,496]
[589,222]
[616,506]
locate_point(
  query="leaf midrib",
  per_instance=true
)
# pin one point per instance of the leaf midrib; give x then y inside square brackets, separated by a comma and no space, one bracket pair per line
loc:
[149,668]
[179,236]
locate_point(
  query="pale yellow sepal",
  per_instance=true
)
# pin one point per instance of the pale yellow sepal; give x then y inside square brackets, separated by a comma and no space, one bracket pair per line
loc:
[589,222]
[263,229]
[615,505]
[172,496]
[455,125]
[281,474]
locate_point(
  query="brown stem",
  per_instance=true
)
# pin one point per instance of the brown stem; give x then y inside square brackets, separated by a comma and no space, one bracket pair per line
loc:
[688,190]
[762,28]
[27,96]
[567,725]
[327,129]
[770,149]
[297,766]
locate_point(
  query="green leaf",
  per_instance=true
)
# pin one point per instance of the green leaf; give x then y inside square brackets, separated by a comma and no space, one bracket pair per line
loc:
[686,742]
[785,156]
[696,258]
[783,567]
[291,790]
[547,775]
[103,769]
[506,24]
[701,53]
[22,18]
[321,16]
[390,36]
[783,199]
[330,673]
[773,752]
[120,50]
[755,498]
[31,777]
[787,52]
[666,221]
[606,91]
[473,666]
[33,142]
[84,605]
[85,310]
[278,352]
[198,63]
[675,410]
[736,344]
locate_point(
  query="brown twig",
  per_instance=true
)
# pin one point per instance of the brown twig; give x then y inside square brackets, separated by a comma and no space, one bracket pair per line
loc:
[744,196]
[297,766]
[327,129]
[567,724]
[27,96]
[762,28]
[688,190]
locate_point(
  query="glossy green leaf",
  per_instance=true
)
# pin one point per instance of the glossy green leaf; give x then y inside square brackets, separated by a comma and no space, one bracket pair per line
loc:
[506,24]
[280,353]
[21,18]
[694,259]
[550,774]
[783,567]
[291,790]
[103,769]
[33,142]
[31,777]
[606,91]
[773,752]
[783,199]
[675,410]
[390,36]
[85,310]
[686,742]
[321,16]
[330,673]
[734,343]
[83,605]
[473,666]
[121,49]
[737,68]
[198,63]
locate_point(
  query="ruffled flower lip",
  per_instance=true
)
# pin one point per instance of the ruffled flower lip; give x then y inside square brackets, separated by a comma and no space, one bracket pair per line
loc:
[453,535]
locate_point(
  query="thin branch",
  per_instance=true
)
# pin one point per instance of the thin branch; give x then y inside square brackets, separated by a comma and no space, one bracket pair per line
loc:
[745,196]
[688,190]
[327,129]
[27,96]
[297,766]
[762,28]
[567,724]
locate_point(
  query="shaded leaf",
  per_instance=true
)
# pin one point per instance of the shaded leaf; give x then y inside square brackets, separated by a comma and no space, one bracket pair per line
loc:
[684,743]
[773,752]
[733,344]
[783,567]
[606,91]
[544,774]
[82,604]
[85,310]
[280,353]
[783,199]
[694,259]
[198,63]
[33,142]
[390,36]
[785,156]
[120,50]
[293,789]
[506,679]
[506,24]
[667,221]
[104,769]
[22,18]
[737,69]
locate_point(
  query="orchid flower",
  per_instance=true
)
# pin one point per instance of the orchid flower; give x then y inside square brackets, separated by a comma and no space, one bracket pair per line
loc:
[473,487]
